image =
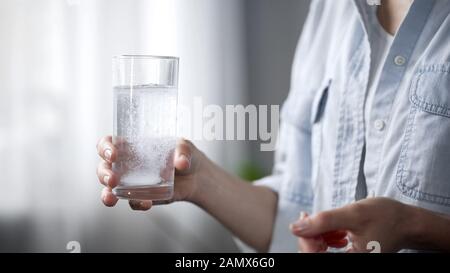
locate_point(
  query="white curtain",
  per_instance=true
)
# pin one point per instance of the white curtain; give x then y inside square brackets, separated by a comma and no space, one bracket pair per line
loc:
[56,101]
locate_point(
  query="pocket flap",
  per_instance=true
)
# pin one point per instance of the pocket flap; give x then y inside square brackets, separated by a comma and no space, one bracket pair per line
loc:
[430,89]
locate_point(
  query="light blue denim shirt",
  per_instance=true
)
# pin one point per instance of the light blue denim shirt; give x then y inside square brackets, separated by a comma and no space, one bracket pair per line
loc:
[327,155]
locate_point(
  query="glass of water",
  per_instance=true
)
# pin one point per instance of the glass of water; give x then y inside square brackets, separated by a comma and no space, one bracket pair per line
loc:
[145,111]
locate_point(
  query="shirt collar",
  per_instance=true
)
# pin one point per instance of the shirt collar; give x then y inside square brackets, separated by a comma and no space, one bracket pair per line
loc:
[366,11]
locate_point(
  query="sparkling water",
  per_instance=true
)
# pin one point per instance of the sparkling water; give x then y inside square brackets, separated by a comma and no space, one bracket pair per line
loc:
[144,134]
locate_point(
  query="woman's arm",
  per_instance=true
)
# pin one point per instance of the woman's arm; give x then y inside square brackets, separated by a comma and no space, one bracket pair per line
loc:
[247,210]
[428,230]
[392,224]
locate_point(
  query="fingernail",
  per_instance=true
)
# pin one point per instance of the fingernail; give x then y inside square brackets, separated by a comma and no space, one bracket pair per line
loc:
[302,215]
[106,179]
[184,157]
[108,153]
[301,224]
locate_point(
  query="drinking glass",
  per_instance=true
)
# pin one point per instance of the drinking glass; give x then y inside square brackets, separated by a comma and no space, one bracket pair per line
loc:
[145,110]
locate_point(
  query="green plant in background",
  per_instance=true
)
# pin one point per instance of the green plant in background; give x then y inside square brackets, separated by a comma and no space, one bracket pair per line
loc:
[250,171]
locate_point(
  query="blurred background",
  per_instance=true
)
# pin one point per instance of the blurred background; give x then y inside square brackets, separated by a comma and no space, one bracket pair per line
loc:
[56,102]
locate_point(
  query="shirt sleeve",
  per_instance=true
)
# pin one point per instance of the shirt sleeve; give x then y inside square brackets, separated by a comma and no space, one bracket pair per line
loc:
[291,177]
[291,181]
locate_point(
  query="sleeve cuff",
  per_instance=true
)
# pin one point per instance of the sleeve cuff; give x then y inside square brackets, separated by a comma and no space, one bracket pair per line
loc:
[272,181]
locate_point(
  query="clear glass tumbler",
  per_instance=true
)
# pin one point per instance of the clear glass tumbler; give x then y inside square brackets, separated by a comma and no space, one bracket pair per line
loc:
[145,111]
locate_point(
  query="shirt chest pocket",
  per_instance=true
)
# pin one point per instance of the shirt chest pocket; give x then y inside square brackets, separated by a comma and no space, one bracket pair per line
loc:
[424,167]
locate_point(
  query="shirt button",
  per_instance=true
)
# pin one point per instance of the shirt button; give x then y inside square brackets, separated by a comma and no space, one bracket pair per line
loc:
[379,124]
[399,60]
